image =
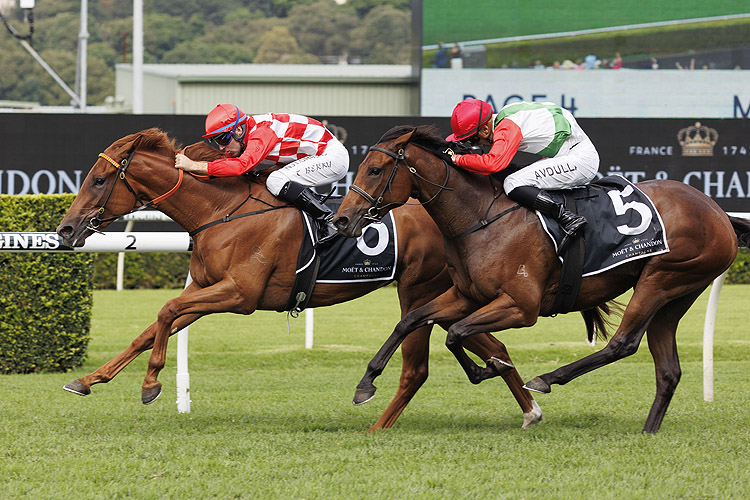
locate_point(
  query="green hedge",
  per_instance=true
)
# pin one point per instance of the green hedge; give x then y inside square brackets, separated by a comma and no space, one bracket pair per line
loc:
[142,270]
[739,272]
[45,298]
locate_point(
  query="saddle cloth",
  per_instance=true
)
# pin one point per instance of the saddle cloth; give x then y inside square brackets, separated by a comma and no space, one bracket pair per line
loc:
[623,224]
[371,257]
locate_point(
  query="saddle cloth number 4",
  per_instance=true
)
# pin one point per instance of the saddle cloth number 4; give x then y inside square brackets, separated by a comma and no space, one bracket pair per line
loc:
[621,207]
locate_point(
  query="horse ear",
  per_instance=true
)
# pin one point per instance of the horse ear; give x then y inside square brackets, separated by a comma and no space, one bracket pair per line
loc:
[130,146]
[401,141]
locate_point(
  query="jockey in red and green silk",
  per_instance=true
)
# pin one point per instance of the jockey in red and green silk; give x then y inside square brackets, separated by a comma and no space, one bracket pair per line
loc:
[570,158]
[307,152]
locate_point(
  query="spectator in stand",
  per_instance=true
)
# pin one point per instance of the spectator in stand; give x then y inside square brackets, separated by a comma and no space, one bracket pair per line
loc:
[589,62]
[538,64]
[457,61]
[654,63]
[441,56]
[680,66]
[617,62]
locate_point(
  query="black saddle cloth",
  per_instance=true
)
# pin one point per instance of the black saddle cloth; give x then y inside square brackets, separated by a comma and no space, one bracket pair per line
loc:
[623,224]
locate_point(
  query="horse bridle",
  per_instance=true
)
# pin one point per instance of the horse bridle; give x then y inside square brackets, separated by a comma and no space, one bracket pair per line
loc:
[122,167]
[373,213]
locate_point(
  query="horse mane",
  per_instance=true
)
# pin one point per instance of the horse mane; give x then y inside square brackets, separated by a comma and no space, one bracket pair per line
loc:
[426,136]
[200,151]
[152,139]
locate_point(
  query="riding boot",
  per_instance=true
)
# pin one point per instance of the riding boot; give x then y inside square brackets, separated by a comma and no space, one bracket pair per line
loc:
[538,199]
[302,198]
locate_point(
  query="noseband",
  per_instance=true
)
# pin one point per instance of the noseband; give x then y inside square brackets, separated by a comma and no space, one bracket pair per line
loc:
[373,213]
[122,167]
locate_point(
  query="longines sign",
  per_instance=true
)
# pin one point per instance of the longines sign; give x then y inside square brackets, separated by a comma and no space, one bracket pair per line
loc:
[42,154]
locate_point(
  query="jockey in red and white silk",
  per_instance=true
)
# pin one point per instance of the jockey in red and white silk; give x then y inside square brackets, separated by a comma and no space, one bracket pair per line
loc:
[309,154]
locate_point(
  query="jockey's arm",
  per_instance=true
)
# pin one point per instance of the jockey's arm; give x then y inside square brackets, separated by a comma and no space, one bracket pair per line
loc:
[259,144]
[196,167]
[505,140]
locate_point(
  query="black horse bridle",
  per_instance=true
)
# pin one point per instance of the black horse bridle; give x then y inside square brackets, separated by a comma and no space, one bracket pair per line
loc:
[373,213]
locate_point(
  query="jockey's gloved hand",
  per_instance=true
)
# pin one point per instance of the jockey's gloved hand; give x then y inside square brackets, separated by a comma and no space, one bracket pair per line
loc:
[464,148]
[446,154]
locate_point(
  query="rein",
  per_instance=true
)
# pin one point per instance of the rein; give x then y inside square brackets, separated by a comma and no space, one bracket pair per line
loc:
[122,167]
[373,213]
[229,217]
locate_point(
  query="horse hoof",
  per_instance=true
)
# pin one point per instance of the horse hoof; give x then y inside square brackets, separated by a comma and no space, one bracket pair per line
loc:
[533,417]
[499,365]
[148,396]
[78,387]
[536,384]
[362,396]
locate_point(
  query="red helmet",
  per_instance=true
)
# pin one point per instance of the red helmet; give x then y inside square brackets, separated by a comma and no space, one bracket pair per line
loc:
[468,117]
[224,118]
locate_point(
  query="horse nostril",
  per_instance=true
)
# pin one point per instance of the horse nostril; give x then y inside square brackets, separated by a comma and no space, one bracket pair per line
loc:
[341,222]
[65,231]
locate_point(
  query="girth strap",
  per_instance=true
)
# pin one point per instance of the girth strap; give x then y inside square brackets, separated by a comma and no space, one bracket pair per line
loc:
[572,269]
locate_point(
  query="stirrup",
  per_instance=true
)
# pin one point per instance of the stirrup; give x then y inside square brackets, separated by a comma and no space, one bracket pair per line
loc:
[570,234]
[325,233]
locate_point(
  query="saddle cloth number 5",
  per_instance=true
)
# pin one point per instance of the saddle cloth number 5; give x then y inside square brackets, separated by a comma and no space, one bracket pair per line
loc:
[622,207]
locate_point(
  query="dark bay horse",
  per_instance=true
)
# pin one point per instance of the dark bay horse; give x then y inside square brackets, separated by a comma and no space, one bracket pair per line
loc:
[489,292]
[227,275]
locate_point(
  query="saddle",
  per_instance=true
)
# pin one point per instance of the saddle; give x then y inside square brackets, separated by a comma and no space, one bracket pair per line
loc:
[371,257]
[623,225]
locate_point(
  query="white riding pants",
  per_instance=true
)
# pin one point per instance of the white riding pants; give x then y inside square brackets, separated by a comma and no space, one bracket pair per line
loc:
[326,168]
[576,164]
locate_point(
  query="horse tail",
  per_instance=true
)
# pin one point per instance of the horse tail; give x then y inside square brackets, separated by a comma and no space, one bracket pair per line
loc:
[742,230]
[598,319]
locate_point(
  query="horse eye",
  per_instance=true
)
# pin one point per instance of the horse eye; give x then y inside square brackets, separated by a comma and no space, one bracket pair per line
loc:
[375,171]
[99,181]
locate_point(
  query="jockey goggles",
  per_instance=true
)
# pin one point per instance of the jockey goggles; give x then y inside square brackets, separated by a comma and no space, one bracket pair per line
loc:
[224,138]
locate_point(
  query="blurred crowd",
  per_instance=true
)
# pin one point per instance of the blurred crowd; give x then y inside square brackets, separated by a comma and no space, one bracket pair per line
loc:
[591,61]
[454,57]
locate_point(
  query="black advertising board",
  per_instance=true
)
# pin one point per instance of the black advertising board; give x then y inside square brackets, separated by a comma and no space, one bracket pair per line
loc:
[47,154]
[710,155]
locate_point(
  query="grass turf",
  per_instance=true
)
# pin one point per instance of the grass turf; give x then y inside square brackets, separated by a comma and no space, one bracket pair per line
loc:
[271,419]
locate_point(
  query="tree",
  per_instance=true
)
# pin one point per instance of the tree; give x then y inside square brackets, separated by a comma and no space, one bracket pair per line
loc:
[363,7]
[197,31]
[221,53]
[278,46]
[322,28]
[383,37]
[161,33]
[59,32]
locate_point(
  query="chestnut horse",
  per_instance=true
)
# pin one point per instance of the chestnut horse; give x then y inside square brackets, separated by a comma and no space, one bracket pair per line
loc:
[228,276]
[489,292]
